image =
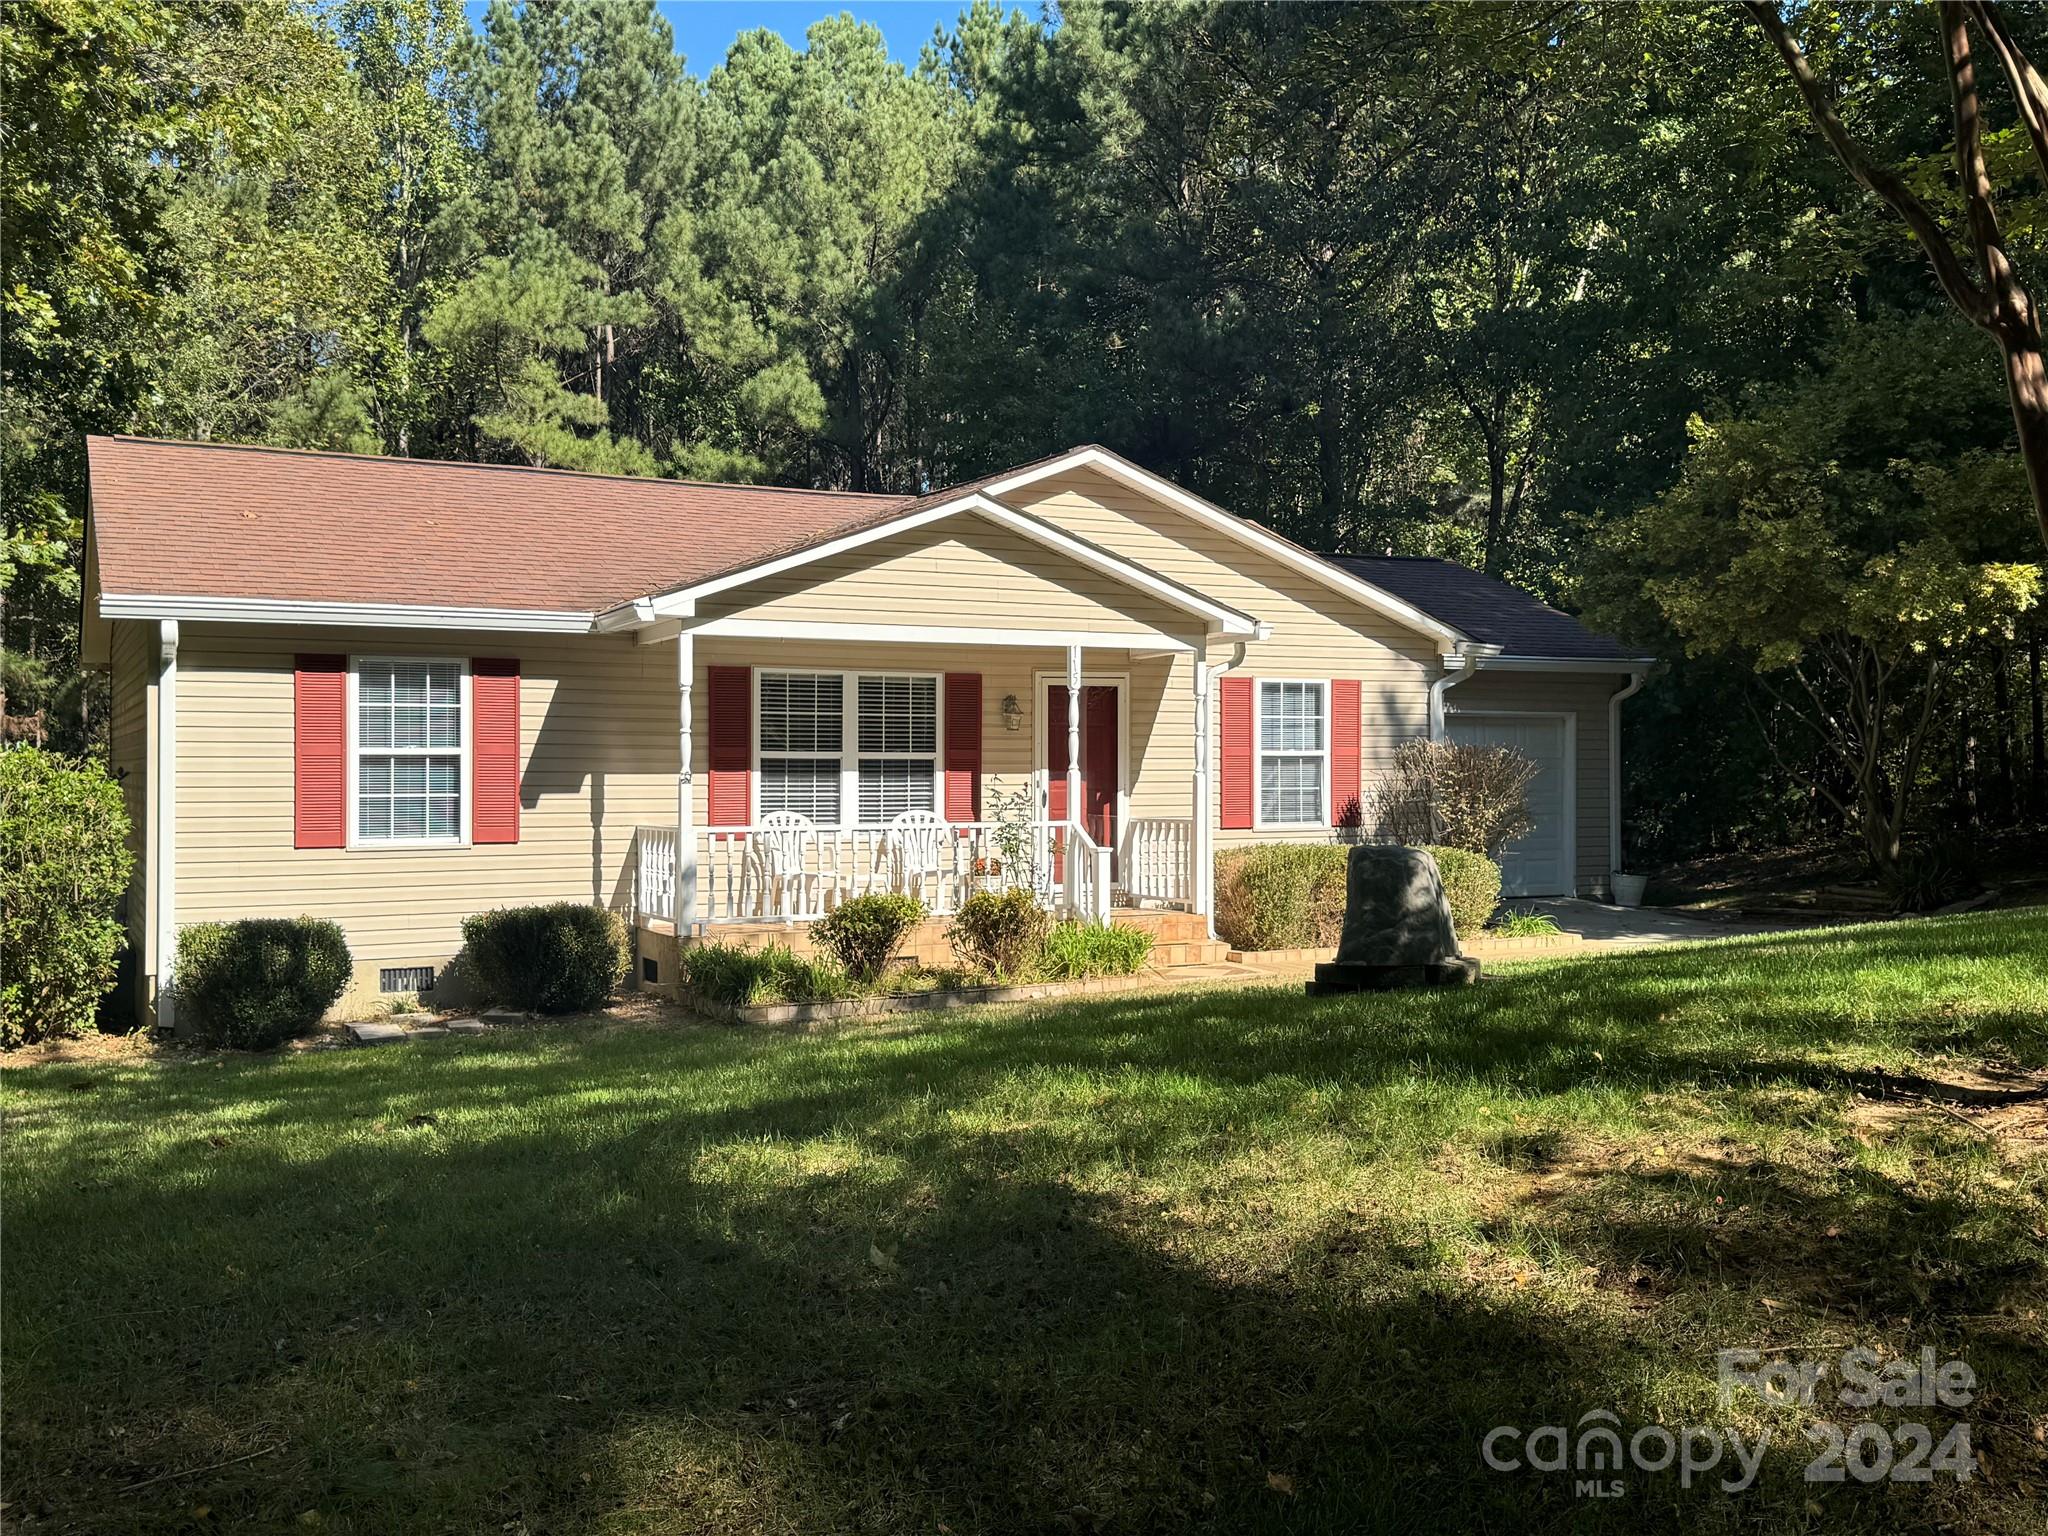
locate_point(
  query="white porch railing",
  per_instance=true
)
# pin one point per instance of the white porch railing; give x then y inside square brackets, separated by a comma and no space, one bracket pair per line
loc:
[1086,876]
[750,874]
[654,873]
[1157,860]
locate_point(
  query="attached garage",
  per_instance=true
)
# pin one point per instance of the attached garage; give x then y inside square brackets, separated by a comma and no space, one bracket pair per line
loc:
[1539,863]
[1542,683]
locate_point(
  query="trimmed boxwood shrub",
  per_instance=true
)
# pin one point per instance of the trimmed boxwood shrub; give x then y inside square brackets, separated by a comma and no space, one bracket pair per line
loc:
[1291,895]
[561,957]
[863,933]
[64,863]
[1281,895]
[1471,886]
[1000,932]
[259,982]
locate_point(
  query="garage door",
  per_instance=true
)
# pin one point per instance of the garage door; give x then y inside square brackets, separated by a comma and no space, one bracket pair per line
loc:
[1538,863]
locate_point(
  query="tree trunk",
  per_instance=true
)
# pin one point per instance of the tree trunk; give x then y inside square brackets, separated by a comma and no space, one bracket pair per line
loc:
[2026,381]
[2001,708]
[2038,763]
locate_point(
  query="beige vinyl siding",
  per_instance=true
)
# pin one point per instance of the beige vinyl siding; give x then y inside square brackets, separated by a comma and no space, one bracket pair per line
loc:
[1317,633]
[1161,739]
[1585,696]
[963,572]
[599,734]
[598,743]
[132,654]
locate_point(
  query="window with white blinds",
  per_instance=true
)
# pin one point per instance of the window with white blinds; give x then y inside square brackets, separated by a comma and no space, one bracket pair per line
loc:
[803,742]
[877,761]
[409,738]
[1294,744]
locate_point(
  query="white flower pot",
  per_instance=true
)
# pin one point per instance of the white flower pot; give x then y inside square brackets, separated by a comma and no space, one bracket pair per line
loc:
[1628,889]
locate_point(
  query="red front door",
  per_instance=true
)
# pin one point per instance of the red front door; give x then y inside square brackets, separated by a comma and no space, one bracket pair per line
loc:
[1099,733]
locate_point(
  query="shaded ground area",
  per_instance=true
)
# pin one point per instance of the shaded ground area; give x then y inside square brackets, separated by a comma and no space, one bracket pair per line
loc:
[1221,1259]
[1632,927]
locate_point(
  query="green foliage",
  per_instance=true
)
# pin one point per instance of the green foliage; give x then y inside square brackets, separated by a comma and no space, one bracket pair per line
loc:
[1074,951]
[863,933]
[1281,895]
[64,863]
[564,957]
[1518,924]
[1934,874]
[1471,886]
[1000,932]
[740,977]
[1849,537]
[258,982]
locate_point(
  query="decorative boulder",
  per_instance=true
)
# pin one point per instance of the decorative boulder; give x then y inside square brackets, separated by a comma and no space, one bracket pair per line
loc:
[1397,927]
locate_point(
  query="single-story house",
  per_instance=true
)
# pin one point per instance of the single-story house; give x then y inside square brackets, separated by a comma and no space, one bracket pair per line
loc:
[397,692]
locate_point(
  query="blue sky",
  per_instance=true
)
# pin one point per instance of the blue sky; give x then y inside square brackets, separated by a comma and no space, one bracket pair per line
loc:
[705,29]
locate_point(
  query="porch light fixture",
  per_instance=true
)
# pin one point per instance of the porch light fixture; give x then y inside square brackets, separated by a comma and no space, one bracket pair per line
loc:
[1013,713]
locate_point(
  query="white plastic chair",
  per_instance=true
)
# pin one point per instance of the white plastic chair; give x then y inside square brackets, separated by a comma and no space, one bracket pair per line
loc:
[915,838]
[781,856]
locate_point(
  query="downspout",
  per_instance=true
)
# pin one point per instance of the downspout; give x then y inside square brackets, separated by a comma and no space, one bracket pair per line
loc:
[1635,682]
[1459,667]
[1205,871]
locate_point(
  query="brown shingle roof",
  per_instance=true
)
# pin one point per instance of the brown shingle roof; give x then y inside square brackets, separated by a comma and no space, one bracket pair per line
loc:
[216,520]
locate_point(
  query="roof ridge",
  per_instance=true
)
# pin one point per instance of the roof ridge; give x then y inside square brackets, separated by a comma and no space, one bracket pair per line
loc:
[526,469]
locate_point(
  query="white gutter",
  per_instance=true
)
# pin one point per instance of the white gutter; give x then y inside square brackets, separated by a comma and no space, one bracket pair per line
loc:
[1635,682]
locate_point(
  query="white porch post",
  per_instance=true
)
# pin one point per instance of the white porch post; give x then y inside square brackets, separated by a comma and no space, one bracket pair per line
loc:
[1200,876]
[1074,735]
[686,832]
[165,854]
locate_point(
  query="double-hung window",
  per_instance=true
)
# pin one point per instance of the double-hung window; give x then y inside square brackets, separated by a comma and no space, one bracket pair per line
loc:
[1294,753]
[803,743]
[866,764]
[409,744]
[899,746]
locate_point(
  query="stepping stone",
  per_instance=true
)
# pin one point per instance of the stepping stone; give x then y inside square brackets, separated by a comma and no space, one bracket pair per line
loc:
[426,1032]
[466,1027]
[375,1034]
[504,1015]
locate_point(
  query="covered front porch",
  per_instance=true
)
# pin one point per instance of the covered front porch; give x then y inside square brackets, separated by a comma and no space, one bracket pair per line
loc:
[819,772]
[960,698]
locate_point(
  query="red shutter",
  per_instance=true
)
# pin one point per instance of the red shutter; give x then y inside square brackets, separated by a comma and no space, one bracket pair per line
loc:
[319,751]
[729,797]
[1234,727]
[963,746]
[1347,808]
[494,749]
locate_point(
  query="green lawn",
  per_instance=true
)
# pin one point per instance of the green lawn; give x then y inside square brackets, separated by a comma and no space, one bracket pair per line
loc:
[1221,1259]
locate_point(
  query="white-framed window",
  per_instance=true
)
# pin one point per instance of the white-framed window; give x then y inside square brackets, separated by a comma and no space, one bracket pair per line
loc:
[899,746]
[846,747]
[408,751]
[1294,753]
[803,743]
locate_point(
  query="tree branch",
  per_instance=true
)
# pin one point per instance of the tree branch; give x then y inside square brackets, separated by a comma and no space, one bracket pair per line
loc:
[1949,269]
[2029,89]
[2009,304]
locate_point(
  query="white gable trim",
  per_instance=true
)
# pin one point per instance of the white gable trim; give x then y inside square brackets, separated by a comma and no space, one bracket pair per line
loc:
[1264,540]
[683,601]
